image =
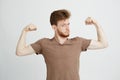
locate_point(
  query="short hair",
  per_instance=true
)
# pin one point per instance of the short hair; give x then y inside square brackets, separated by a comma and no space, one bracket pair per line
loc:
[58,15]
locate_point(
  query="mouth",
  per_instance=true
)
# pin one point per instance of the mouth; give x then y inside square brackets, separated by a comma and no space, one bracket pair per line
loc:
[67,32]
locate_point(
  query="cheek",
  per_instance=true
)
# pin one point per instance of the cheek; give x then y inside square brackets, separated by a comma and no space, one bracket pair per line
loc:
[62,29]
[58,30]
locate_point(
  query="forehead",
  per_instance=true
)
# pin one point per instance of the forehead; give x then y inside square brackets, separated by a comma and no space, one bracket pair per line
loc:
[63,21]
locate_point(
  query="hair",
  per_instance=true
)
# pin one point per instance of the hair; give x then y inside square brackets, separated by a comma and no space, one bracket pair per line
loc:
[59,15]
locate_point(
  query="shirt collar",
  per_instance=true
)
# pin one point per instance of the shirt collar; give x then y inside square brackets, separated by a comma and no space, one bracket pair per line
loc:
[67,42]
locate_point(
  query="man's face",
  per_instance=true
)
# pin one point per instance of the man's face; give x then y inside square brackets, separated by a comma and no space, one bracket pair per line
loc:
[62,28]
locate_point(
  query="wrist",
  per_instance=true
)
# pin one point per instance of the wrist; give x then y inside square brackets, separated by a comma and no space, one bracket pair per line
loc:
[95,23]
[24,31]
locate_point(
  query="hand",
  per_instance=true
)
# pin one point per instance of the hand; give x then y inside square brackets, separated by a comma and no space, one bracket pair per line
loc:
[90,21]
[30,27]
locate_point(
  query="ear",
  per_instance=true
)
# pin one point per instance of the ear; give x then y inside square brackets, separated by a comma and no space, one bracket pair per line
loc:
[54,27]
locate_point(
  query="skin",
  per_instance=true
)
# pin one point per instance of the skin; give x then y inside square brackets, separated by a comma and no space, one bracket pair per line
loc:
[62,33]
[61,30]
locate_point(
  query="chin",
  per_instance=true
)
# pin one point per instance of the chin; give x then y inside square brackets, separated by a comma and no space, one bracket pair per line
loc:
[67,35]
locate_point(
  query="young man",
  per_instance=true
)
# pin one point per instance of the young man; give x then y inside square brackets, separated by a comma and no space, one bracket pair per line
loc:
[61,54]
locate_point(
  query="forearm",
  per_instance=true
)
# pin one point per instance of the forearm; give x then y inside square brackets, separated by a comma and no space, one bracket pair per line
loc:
[101,41]
[21,42]
[23,49]
[100,34]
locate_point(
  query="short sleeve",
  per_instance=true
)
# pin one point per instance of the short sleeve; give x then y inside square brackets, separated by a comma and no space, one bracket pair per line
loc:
[84,43]
[37,46]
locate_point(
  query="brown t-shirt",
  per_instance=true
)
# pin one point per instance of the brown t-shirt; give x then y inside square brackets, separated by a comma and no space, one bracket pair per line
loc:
[62,60]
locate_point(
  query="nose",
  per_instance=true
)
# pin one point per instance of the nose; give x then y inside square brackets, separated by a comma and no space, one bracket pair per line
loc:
[67,27]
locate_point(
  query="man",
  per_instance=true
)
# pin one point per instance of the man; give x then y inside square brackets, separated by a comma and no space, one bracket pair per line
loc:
[61,53]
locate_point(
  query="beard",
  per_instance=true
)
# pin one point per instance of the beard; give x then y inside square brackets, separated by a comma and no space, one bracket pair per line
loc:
[66,34]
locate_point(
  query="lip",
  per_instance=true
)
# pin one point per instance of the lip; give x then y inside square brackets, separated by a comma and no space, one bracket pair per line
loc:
[67,32]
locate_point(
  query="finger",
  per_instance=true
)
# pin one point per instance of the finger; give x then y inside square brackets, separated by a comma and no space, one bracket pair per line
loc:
[88,21]
[32,28]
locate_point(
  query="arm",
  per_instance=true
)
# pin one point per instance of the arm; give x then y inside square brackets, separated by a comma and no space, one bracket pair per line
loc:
[101,41]
[22,49]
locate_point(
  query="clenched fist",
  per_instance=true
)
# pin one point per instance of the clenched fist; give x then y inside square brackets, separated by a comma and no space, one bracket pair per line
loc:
[90,21]
[30,27]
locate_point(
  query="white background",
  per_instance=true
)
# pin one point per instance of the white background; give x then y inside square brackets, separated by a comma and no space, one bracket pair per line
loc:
[94,64]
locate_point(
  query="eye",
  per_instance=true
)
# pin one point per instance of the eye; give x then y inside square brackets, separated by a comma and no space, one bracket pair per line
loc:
[68,23]
[63,25]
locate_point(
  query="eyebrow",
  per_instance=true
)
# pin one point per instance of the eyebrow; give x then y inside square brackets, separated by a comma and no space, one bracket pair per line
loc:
[64,23]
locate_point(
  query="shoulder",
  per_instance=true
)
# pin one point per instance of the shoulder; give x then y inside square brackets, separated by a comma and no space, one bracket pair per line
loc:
[46,40]
[76,38]
[39,41]
[80,39]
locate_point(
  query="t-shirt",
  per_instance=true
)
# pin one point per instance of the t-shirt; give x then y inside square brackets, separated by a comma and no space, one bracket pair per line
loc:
[62,60]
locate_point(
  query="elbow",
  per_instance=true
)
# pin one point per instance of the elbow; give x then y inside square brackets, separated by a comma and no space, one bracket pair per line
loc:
[18,53]
[105,45]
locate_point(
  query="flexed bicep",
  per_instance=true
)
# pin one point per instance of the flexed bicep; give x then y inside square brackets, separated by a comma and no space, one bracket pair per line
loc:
[94,44]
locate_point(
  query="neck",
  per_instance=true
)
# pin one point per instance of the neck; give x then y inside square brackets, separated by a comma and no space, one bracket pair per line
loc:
[60,39]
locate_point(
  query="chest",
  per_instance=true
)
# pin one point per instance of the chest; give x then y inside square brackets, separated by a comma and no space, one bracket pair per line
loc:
[56,51]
